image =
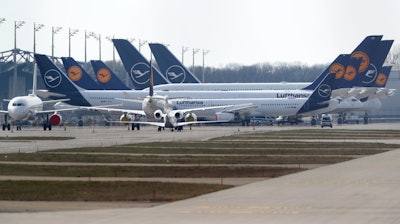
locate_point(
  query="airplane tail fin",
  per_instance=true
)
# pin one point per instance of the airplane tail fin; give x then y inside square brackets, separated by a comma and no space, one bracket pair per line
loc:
[170,66]
[364,50]
[321,95]
[136,65]
[78,75]
[106,79]
[376,59]
[57,81]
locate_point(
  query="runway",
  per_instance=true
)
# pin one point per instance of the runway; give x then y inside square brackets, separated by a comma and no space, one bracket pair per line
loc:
[363,190]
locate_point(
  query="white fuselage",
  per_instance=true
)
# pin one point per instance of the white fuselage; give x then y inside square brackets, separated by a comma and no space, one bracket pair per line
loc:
[24,107]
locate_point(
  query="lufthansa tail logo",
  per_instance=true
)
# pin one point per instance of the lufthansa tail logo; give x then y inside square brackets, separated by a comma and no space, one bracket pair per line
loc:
[52,78]
[324,90]
[364,60]
[139,73]
[176,74]
[103,75]
[351,73]
[338,70]
[381,79]
[74,73]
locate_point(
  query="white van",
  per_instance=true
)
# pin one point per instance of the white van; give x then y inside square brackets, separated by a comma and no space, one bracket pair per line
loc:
[326,120]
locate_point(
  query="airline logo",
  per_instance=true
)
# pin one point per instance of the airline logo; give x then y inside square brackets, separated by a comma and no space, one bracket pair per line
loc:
[381,79]
[175,74]
[324,90]
[370,74]
[75,73]
[338,70]
[364,60]
[52,78]
[140,73]
[350,73]
[103,75]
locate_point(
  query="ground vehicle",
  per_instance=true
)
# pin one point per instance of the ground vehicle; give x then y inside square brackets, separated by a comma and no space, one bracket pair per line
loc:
[326,120]
[281,120]
[262,121]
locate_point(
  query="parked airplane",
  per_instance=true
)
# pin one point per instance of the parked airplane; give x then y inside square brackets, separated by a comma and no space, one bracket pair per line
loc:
[21,108]
[106,79]
[273,106]
[167,61]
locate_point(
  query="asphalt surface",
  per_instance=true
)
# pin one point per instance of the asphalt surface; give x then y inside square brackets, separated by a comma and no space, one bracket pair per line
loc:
[363,190]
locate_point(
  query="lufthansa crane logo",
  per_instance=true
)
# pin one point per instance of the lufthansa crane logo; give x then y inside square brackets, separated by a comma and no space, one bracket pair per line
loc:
[381,79]
[175,74]
[52,78]
[324,90]
[364,60]
[338,70]
[103,75]
[350,73]
[75,73]
[140,73]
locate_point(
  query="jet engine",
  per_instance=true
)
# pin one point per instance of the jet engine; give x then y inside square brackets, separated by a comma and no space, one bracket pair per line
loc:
[125,118]
[158,114]
[190,117]
[178,115]
[55,119]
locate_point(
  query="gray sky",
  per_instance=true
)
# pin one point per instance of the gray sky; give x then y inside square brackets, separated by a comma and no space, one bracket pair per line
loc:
[244,32]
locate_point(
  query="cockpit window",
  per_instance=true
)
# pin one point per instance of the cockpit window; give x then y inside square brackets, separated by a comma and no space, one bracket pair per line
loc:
[18,104]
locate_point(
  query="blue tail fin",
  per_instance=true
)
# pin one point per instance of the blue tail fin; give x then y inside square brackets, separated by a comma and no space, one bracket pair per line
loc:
[170,66]
[321,95]
[365,48]
[78,75]
[136,65]
[369,71]
[106,79]
[57,81]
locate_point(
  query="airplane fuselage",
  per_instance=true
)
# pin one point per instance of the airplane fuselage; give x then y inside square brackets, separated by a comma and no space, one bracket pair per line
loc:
[24,107]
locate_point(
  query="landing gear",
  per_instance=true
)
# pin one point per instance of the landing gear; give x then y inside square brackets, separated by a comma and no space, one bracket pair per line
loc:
[6,125]
[137,126]
[46,124]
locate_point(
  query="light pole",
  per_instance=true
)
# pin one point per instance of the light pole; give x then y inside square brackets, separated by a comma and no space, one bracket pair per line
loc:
[54,30]
[141,43]
[204,53]
[36,27]
[87,35]
[17,25]
[2,20]
[110,39]
[195,50]
[184,49]
[72,32]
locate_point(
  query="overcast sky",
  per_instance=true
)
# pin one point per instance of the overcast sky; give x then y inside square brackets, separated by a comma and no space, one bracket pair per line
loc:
[244,32]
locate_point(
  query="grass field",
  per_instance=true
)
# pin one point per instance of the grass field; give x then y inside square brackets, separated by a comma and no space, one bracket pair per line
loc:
[266,155]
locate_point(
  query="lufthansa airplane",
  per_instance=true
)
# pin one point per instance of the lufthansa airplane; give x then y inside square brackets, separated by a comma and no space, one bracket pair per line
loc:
[29,107]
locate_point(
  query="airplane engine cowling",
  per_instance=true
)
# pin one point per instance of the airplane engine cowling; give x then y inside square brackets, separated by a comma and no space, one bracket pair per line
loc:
[55,119]
[224,116]
[125,118]
[178,115]
[158,114]
[190,117]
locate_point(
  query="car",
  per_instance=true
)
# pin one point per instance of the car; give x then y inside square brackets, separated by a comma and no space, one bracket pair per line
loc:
[262,121]
[326,120]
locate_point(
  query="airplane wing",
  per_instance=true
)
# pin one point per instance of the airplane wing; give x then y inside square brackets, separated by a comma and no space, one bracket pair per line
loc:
[46,94]
[55,111]
[54,101]
[159,124]
[106,109]
[3,112]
